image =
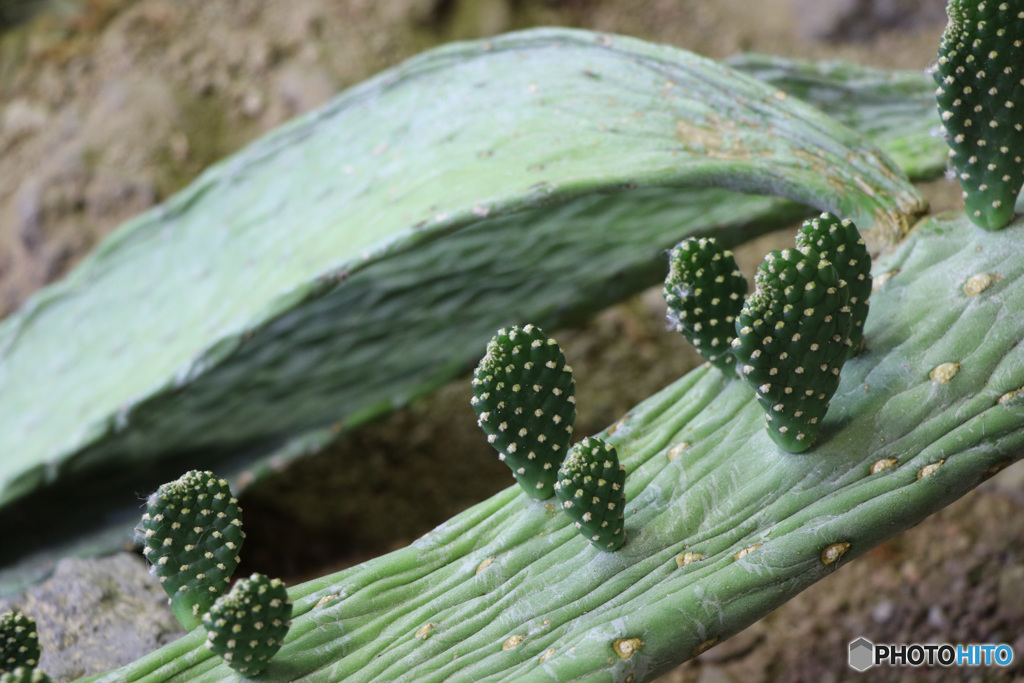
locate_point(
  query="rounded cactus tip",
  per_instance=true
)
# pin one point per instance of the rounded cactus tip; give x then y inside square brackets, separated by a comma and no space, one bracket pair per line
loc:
[19,642]
[191,534]
[704,292]
[978,77]
[792,339]
[592,490]
[524,398]
[248,625]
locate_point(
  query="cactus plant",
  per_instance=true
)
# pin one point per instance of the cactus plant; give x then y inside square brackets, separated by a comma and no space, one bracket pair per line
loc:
[979,79]
[525,400]
[24,674]
[839,241]
[191,534]
[792,338]
[19,642]
[591,487]
[247,626]
[704,291]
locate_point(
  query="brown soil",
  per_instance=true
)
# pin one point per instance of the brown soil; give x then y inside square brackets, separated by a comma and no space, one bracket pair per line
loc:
[109,106]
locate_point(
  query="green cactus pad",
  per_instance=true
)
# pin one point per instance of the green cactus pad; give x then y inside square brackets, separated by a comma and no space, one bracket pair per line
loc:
[792,338]
[23,674]
[704,291]
[592,490]
[839,242]
[248,625]
[19,642]
[524,398]
[192,532]
[981,64]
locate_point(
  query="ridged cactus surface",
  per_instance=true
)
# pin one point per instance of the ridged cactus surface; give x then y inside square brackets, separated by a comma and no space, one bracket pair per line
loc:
[838,240]
[19,642]
[981,103]
[24,674]
[704,292]
[191,534]
[591,488]
[525,400]
[247,626]
[509,590]
[312,276]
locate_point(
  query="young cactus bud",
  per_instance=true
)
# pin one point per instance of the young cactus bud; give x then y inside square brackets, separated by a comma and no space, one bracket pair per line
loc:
[524,397]
[248,625]
[19,642]
[192,532]
[792,338]
[839,242]
[981,64]
[592,490]
[24,674]
[704,291]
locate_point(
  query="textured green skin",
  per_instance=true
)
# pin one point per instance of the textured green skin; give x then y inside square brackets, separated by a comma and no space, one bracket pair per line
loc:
[980,103]
[703,476]
[704,292]
[24,674]
[263,327]
[839,241]
[19,642]
[591,488]
[247,626]
[625,234]
[525,401]
[192,534]
[792,338]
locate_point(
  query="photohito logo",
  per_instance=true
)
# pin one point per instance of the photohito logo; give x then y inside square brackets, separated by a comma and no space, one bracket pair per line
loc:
[864,654]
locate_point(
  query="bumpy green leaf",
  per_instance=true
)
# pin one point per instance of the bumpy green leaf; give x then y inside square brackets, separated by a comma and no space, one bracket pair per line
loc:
[839,241]
[513,589]
[524,397]
[792,338]
[979,74]
[19,642]
[704,291]
[192,533]
[344,237]
[247,626]
[592,490]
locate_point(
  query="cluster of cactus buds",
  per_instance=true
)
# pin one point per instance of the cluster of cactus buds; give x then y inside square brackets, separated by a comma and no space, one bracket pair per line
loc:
[789,338]
[247,626]
[191,534]
[19,648]
[524,398]
[979,72]
[704,291]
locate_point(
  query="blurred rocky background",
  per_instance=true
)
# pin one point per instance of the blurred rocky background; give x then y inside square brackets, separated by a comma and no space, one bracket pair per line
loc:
[107,107]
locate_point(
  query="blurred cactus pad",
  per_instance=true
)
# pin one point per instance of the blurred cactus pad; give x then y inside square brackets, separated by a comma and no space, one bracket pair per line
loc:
[307,281]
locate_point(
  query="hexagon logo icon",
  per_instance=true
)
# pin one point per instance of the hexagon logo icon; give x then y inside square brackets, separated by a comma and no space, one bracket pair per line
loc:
[862,654]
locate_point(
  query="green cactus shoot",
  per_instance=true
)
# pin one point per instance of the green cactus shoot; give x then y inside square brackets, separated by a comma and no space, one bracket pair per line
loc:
[247,626]
[524,398]
[981,64]
[592,490]
[192,533]
[19,642]
[704,291]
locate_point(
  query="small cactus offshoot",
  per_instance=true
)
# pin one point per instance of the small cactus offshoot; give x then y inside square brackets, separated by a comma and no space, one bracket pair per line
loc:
[981,64]
[24,674]
[792,339]
[247,626]
[592,490]
[19,642]
[192,532]
[839,242]
[524,398]
[704,291]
